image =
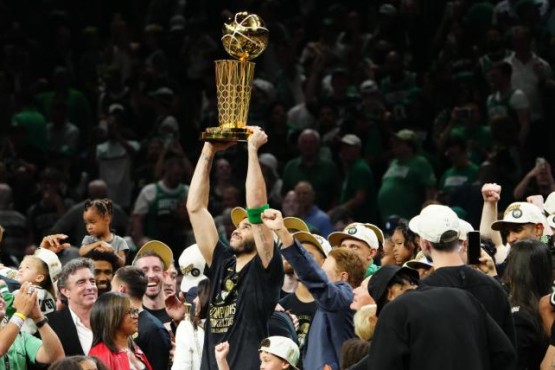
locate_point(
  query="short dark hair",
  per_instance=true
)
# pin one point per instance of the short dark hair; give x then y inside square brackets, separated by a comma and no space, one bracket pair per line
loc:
[447,243]
[102,206]
[109,257]
[135,280]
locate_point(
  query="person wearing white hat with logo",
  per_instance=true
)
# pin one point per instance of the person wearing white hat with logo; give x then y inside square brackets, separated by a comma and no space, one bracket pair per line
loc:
[439,229]
[521,220]
[192,265]
[364,239]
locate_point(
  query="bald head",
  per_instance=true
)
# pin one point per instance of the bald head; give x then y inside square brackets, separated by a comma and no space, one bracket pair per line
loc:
[308,144]
[304,194]
[98,189]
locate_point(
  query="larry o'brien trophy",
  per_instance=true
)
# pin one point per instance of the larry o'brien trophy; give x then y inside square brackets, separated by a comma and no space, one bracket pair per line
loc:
[244,38]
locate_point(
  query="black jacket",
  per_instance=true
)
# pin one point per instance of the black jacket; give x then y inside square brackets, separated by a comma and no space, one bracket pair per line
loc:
[62,323]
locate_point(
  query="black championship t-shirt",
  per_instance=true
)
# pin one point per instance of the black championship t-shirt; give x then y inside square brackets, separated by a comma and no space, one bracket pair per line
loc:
[240,306]
[304,312]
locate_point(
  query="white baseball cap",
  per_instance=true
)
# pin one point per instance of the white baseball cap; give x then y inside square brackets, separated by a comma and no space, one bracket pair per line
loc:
[551,220]
[417,263]
[549,204]
[520,213]
[351,139]
[436,224]
[53,263]
[191,264]
[464,229]
[357,231]
[314,239]
[283,348]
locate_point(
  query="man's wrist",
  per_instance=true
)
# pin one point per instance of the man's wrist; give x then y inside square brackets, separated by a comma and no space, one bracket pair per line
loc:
[43,320]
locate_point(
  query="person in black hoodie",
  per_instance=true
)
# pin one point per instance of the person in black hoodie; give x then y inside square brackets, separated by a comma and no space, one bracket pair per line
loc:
[450,270]
[433,328]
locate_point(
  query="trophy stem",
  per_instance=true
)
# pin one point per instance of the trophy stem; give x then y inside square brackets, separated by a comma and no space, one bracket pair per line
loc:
[233,85]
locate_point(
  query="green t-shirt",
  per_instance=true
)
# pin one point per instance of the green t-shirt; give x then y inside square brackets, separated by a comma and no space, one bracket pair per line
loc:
[78,107]
[398,94]
[371,270]
[35,125]
[481,135]
[404,186]
[25,346]
[454,177]
[360,177]
[374,146]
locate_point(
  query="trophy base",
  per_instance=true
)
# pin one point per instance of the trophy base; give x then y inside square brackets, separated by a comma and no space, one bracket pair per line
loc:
[225,134]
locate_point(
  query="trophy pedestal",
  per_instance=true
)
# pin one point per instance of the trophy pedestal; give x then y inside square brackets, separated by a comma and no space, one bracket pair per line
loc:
[225,134]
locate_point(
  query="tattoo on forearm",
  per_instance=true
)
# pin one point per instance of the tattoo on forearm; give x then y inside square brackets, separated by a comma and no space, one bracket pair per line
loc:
[267,250]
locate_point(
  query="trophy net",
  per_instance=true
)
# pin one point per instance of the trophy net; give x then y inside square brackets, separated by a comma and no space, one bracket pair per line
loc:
[233,83]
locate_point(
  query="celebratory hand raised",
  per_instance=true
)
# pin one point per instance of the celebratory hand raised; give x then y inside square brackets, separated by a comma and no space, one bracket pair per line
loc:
[273,219]
[26,301]
[491,193]
[257,138]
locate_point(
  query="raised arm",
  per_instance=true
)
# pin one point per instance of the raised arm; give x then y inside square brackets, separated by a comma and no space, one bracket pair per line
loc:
[23,304]
[255,187]
[491,194]
[204,227]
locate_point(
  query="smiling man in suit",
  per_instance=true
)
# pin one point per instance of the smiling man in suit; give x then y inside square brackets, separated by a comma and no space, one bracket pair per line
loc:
[72,324]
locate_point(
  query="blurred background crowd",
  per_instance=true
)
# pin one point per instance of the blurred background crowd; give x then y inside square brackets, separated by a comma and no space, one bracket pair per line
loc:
[372,108]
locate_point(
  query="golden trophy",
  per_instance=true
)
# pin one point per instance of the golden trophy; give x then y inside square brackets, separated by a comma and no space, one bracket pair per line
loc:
[244,38]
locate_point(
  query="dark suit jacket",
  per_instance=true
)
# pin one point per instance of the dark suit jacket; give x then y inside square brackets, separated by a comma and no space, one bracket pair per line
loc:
[62,323]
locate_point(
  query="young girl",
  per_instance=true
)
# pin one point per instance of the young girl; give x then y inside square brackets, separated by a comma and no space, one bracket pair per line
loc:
[97,217]
[42,269]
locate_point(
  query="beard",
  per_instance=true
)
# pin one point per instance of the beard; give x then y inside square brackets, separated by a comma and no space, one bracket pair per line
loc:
[104,287]
[246,248]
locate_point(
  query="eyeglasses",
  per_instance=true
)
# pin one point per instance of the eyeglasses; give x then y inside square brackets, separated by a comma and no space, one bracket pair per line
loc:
[132,311]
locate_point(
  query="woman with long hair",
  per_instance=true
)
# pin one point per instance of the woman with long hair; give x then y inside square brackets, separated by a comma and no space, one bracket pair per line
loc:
[189,337]
[528,278]
[113,322]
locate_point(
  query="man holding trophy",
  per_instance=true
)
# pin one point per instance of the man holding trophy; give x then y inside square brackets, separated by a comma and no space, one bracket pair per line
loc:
[246,277]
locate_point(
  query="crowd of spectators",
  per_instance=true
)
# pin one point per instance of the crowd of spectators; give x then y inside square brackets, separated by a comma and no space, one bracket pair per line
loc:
[371,111]
[378,106]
